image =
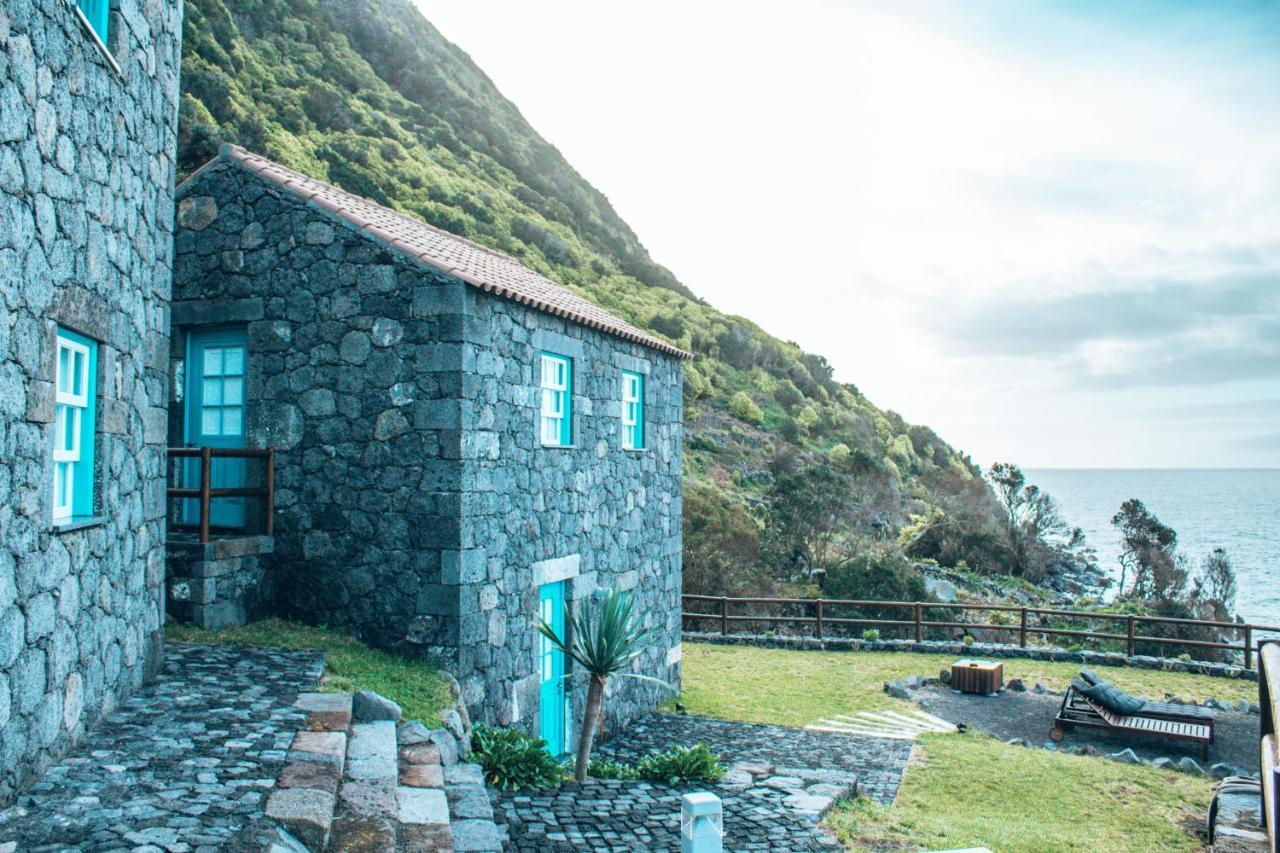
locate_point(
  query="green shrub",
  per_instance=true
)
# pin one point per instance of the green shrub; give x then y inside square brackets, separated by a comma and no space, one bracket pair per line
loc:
[513,759]
[607,768]
[871,635]
[680,765]
[745,409]
[968,639]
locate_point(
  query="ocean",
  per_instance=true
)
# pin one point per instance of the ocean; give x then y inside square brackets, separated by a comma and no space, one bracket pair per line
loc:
[1234,509]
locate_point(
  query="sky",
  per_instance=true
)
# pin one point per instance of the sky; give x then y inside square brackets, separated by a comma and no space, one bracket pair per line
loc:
[1049,231]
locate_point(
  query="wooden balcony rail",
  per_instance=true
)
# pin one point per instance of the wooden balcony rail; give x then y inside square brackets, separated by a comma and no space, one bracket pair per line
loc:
[204,492]
[916,612]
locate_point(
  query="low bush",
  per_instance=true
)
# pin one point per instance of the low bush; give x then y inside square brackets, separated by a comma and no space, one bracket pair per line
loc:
[513,759]
[871,635]
[680,765]
[607,768]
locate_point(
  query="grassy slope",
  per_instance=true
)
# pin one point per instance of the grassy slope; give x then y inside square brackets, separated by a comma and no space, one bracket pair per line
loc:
[743,683]
[972,790]
[349,664]
[975,791]
[368,95]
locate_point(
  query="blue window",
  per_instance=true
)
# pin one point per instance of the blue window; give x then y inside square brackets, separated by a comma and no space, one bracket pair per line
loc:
[557,400]
[96,12]
[632,411]
[74,410]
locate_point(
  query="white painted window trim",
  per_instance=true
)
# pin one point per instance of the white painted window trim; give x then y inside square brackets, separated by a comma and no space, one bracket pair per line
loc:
[69,411]
[554,383]
[632,409]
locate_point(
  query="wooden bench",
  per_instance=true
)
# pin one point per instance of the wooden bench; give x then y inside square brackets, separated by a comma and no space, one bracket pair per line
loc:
[1269,702]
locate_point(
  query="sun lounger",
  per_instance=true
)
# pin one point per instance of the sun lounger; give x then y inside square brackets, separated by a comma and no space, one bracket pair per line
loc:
[1153,719]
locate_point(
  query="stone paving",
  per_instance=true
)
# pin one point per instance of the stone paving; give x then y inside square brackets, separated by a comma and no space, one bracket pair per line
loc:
[779,782]
[185,765]
[876,762]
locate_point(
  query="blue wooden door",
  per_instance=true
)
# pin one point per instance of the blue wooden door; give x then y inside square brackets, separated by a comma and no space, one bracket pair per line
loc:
[215,418]
[551,697]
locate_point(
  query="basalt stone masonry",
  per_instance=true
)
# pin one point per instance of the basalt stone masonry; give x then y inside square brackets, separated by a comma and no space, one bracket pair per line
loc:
[87,141]
[416,505]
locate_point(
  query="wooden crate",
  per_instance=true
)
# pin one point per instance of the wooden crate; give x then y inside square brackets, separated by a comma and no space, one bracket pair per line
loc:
[977,676]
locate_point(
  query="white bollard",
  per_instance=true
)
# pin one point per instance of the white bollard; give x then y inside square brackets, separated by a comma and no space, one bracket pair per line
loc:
[701,823]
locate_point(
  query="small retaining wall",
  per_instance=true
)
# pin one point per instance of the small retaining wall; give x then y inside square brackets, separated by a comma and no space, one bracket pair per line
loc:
[221,583]
[990,650]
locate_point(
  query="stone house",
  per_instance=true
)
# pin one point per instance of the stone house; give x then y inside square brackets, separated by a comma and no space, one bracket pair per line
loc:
[88,123]
[459,442]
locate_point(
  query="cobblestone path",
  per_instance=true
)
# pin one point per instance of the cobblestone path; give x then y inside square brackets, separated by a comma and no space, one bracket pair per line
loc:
[779,781]
[184,765]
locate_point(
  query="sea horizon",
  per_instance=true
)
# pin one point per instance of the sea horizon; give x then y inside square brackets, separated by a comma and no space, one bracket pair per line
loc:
[1231,508]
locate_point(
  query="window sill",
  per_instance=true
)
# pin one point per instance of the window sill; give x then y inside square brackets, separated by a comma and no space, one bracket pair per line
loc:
[635,450]
[559,447]
[97,42]
[78,522]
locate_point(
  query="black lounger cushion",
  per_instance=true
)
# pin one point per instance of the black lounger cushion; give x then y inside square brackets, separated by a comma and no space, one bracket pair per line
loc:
[1114,699]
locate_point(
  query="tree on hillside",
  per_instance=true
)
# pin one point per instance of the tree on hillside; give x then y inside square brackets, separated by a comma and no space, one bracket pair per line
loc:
[819,514]
[1149,553]
[1032,526]
[721,545]
[1215,586]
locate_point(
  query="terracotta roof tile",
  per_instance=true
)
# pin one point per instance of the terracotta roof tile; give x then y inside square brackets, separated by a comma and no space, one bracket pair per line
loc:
[477,265]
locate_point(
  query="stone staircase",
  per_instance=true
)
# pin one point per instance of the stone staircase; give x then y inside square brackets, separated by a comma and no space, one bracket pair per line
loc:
[357,780]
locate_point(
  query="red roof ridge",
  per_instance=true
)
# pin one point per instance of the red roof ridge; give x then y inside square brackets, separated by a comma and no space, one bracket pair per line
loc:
[477,265]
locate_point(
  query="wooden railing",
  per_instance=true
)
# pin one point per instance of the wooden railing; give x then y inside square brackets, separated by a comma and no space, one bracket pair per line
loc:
[1269,703]
[204,492]
[915,619]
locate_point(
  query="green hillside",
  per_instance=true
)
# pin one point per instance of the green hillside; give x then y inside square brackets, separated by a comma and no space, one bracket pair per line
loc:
[368,95]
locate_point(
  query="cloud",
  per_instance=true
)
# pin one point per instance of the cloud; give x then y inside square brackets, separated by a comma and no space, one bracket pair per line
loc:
[1266,442]
[1240,410]
[1193,330]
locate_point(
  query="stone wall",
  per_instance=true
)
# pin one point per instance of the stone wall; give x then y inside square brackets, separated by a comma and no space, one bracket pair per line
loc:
[219,583]
[87,140]
[596,514]
[415,506]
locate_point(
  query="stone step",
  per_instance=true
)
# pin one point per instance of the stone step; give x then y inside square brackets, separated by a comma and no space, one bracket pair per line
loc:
[306,793]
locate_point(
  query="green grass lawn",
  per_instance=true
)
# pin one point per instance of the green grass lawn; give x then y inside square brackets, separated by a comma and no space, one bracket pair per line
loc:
[966,790]
[798,687]
[973,791]
[349,664]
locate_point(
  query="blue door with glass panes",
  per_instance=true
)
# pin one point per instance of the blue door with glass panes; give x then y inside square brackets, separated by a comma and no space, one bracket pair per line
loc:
[553,686]
[215,418]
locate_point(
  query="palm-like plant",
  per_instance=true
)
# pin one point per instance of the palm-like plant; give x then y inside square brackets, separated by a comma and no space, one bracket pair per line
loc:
[603,639]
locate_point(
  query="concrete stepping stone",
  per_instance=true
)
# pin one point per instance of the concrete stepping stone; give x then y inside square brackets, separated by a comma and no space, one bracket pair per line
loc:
[363,835]
[307,813]
[421,776]
[421,805]
[326,711]
[371,752]
[328,744]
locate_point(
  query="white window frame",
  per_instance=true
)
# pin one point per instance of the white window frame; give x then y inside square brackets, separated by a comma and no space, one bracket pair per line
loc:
[556,411]
[632,410]
[69,411]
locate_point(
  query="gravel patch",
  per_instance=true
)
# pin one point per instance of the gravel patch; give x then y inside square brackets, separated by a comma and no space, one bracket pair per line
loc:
[1030,716]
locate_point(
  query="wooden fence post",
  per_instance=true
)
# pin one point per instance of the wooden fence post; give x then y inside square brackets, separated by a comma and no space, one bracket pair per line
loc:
[919,619]
[819,618]
[1130,644]
[724,616]
[1248,647]
[206,466]
[1022,634]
